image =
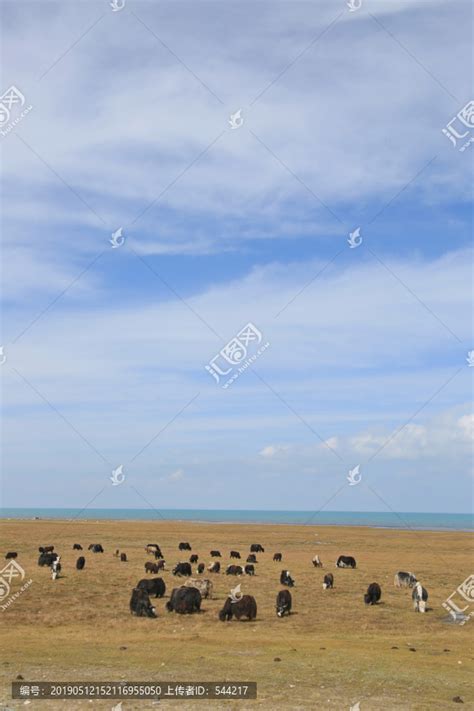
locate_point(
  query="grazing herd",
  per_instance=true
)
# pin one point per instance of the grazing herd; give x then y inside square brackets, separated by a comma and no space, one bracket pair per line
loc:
[187,598]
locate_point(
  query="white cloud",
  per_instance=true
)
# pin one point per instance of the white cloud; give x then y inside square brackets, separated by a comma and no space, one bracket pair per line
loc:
[331,442]
[119,119]
[415,441]
[177,475]
[274,450]
[130,118]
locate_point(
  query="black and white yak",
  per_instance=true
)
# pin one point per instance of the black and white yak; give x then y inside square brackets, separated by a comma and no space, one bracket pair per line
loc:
[204,586]
[317,562]
[419,597]
[404,580]
[283,603]
[154,549]
[56,568]
[328,581]
[140,604]
[345,561]
[286,579]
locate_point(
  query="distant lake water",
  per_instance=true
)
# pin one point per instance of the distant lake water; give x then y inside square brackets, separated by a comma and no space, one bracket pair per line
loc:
[427,521]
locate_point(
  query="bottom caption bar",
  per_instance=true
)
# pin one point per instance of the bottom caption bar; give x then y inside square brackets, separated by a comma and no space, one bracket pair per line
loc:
[134,690]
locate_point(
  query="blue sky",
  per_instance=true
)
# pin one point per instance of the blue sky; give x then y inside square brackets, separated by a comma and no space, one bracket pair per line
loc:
[106,348]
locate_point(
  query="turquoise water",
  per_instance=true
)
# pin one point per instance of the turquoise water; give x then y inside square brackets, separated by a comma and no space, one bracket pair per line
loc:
[429,521]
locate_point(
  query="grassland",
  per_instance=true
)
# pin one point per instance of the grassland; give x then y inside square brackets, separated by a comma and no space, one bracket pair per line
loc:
[331,653]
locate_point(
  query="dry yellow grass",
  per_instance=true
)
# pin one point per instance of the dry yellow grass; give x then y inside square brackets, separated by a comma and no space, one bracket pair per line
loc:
[333,651]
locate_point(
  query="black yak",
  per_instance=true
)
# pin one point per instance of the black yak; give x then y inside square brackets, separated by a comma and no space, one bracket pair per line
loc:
[80,563]
[184,600]
[151,568]
[47,559]
[277,557]
[234,570]
[242,607]
[373,594]
[182,569]
[155,586]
